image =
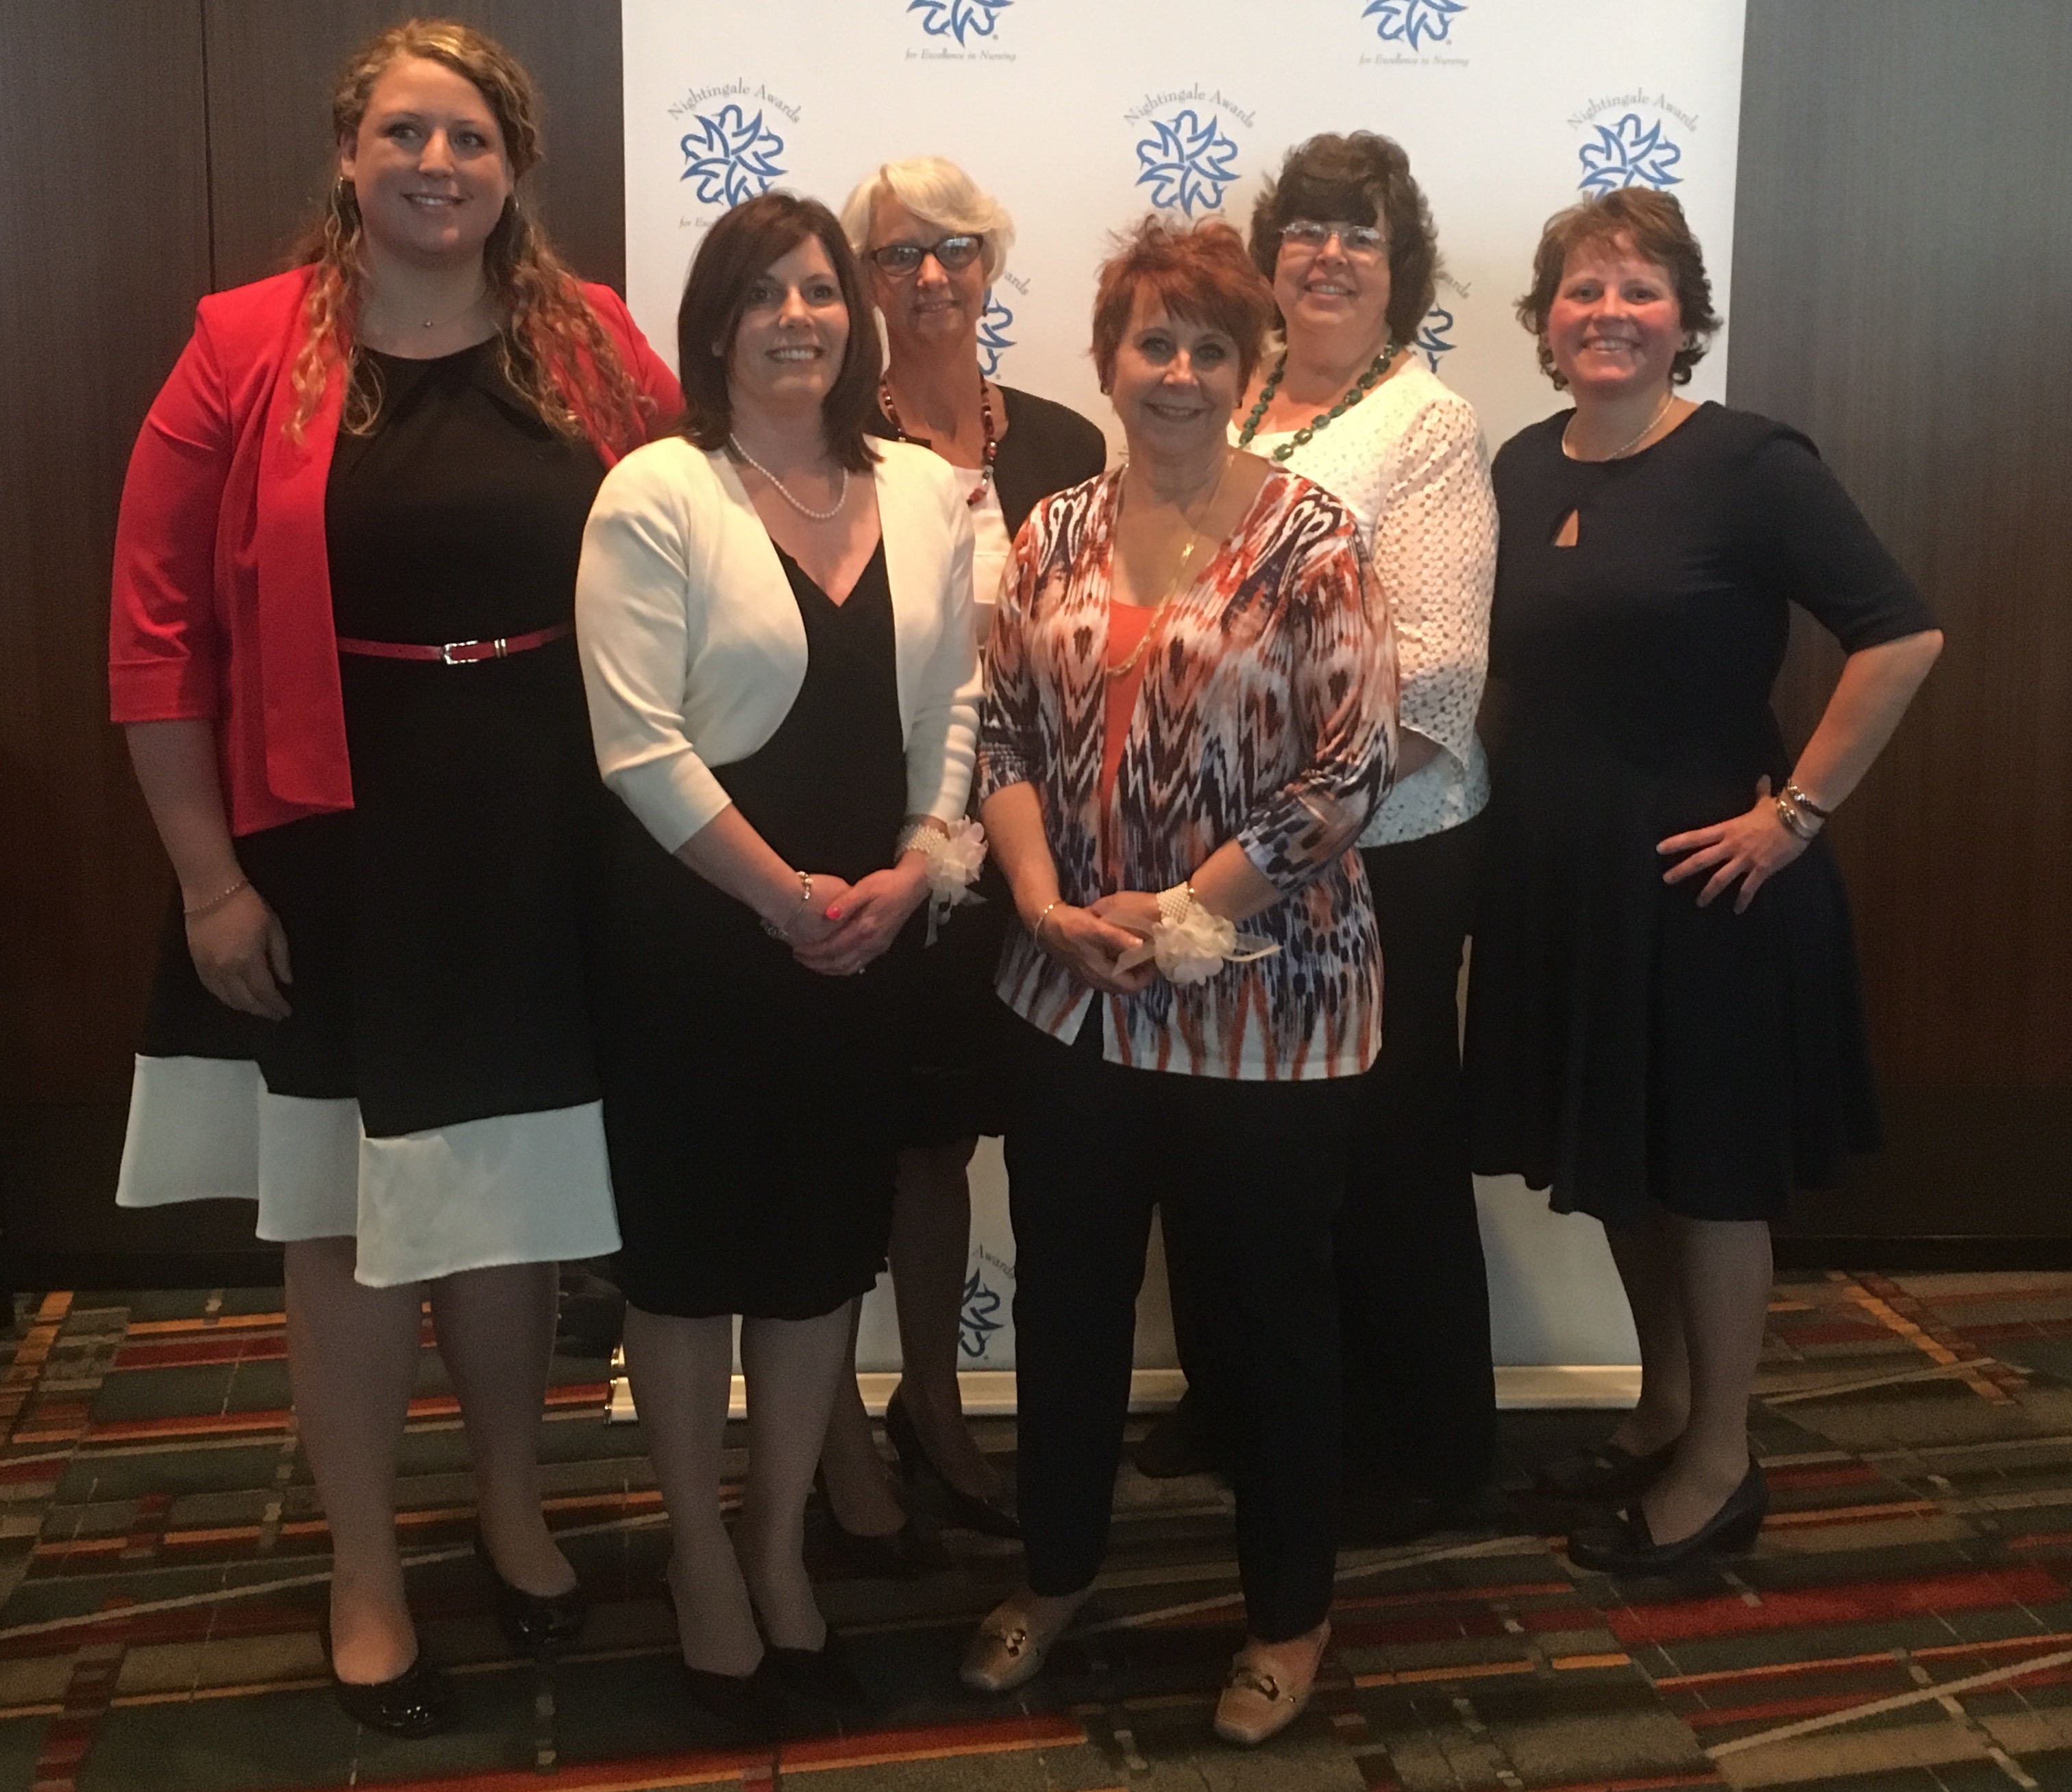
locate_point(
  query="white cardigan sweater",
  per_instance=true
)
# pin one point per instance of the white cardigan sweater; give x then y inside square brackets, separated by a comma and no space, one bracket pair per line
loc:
[693,652]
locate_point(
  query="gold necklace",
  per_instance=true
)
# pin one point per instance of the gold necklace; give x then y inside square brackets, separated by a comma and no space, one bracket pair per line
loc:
[480,293]
[1662,410]
[1179,572]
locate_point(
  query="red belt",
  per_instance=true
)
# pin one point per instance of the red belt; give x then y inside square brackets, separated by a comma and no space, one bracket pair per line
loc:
[457,653]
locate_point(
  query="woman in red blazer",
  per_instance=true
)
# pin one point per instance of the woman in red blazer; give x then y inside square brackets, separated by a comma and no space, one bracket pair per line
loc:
[341,645]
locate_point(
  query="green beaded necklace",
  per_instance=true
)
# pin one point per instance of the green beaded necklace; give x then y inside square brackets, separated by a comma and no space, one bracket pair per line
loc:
[1359,389]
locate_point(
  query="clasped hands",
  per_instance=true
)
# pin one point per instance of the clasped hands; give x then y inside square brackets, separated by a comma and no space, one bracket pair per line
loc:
[1753,846]
[1090,941]
[847,925]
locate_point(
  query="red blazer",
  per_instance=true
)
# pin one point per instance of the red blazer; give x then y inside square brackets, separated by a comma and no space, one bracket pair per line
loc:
[222,598]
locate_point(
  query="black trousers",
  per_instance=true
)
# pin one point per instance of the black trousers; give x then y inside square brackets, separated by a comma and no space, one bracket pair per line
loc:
[1413,1295]
[1250,1175]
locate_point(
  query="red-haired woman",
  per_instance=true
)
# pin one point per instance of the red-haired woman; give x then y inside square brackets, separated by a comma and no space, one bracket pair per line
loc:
[1190,709]
[344,584]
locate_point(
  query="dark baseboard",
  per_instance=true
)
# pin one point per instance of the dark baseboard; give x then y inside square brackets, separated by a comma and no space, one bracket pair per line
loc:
[1973,1253]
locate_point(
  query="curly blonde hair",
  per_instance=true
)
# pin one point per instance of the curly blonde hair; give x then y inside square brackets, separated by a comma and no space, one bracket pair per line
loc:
[551,346]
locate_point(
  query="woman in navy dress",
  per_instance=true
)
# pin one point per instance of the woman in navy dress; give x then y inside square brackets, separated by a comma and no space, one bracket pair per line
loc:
[1665,1024]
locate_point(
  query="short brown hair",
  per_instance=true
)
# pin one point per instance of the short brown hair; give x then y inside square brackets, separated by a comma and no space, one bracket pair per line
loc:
[1361,178]
[741,246]
[1200,272]
[1655,225]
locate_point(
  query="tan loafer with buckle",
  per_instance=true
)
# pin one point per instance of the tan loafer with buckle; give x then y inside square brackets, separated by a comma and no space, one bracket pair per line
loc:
[1009,1648]
[1262,1697]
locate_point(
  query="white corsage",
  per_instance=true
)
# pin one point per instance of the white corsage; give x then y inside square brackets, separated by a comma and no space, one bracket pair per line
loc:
[954,857]
[1191,944]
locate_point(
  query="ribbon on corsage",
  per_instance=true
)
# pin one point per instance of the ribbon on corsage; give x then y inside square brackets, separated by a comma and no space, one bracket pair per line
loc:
[1191,944]
[954,857]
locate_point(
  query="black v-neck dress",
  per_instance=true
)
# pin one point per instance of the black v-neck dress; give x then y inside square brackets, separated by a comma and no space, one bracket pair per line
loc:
[1625,1046]
[750,1105]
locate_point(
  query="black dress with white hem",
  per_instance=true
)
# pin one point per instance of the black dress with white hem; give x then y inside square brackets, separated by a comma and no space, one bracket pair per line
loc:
[433,1091]
[751,1105]
[1625,1046]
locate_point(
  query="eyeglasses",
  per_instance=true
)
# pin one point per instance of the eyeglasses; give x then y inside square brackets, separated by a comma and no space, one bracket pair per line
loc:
[951,252]
[1357,242]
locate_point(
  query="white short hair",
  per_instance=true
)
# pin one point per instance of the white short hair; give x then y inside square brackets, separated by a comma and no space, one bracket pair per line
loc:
[939,193]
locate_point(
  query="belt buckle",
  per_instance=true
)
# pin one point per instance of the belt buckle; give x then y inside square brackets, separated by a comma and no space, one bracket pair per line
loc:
[446,653]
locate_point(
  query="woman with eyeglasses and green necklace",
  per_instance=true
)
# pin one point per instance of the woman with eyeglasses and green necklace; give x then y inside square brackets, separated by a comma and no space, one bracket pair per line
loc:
[1350,400]
[932,244]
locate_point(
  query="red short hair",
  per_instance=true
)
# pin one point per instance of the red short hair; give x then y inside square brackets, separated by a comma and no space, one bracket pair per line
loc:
[1200,272]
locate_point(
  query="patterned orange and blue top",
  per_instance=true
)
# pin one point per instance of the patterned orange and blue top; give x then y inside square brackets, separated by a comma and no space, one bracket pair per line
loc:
[1267,715]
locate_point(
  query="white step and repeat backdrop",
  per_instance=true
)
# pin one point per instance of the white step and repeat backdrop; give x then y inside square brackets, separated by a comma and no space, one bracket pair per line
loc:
[1082,116]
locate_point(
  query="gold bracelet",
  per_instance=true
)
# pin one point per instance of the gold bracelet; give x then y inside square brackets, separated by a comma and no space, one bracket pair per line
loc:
[1799,799]
[791,920]
[1794,823]
[1036,932]
[215,902]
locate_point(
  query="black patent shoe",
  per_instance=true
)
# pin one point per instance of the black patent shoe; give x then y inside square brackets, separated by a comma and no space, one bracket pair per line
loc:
[968,1511]
[418,1702]
[1606,1474]
[754,1703]
[538,1624]
[822,1674]
[1623,1545]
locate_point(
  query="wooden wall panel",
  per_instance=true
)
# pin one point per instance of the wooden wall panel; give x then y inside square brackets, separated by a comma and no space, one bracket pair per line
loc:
[271,66]
[103,236]
[1903,291]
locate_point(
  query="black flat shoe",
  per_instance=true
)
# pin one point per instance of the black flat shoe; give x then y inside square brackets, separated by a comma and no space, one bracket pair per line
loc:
[1379,1517]
[1607,1474]
[754,1703]
[1623,1545]
[821,1674]
[1172,1448]
[418,1702]
[966,1511]
[535,1623]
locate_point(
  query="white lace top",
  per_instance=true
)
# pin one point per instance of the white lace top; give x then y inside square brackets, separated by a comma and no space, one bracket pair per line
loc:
[1409,461]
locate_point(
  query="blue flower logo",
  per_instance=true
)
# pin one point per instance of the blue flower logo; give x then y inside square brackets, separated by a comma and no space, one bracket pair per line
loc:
[1187,162]
[993,340]
[1413,21]
[731,157]
[956,18]
[1625,155]
[1432,341]
[976,1324]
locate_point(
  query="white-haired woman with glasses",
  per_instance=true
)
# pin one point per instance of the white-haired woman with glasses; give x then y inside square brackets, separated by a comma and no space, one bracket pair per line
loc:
[932,244]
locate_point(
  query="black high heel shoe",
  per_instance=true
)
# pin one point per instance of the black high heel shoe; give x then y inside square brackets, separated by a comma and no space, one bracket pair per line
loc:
[822,1674]
[905,1554]
[970,1511]
[418,1702]
[1606,1474]
[754,1703]
[1624,1545]
[535,1623]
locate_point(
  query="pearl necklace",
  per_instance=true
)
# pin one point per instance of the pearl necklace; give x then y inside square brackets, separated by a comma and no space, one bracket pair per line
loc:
[1358,390]
[1662,410]
[841,494]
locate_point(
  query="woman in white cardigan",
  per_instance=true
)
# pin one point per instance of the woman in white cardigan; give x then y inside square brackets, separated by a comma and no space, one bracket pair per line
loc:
[775,618]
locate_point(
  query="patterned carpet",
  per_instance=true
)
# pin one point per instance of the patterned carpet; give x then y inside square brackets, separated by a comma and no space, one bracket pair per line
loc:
[1906,1620]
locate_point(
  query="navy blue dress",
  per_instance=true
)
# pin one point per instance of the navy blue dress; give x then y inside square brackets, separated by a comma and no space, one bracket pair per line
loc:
[1625,1047]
